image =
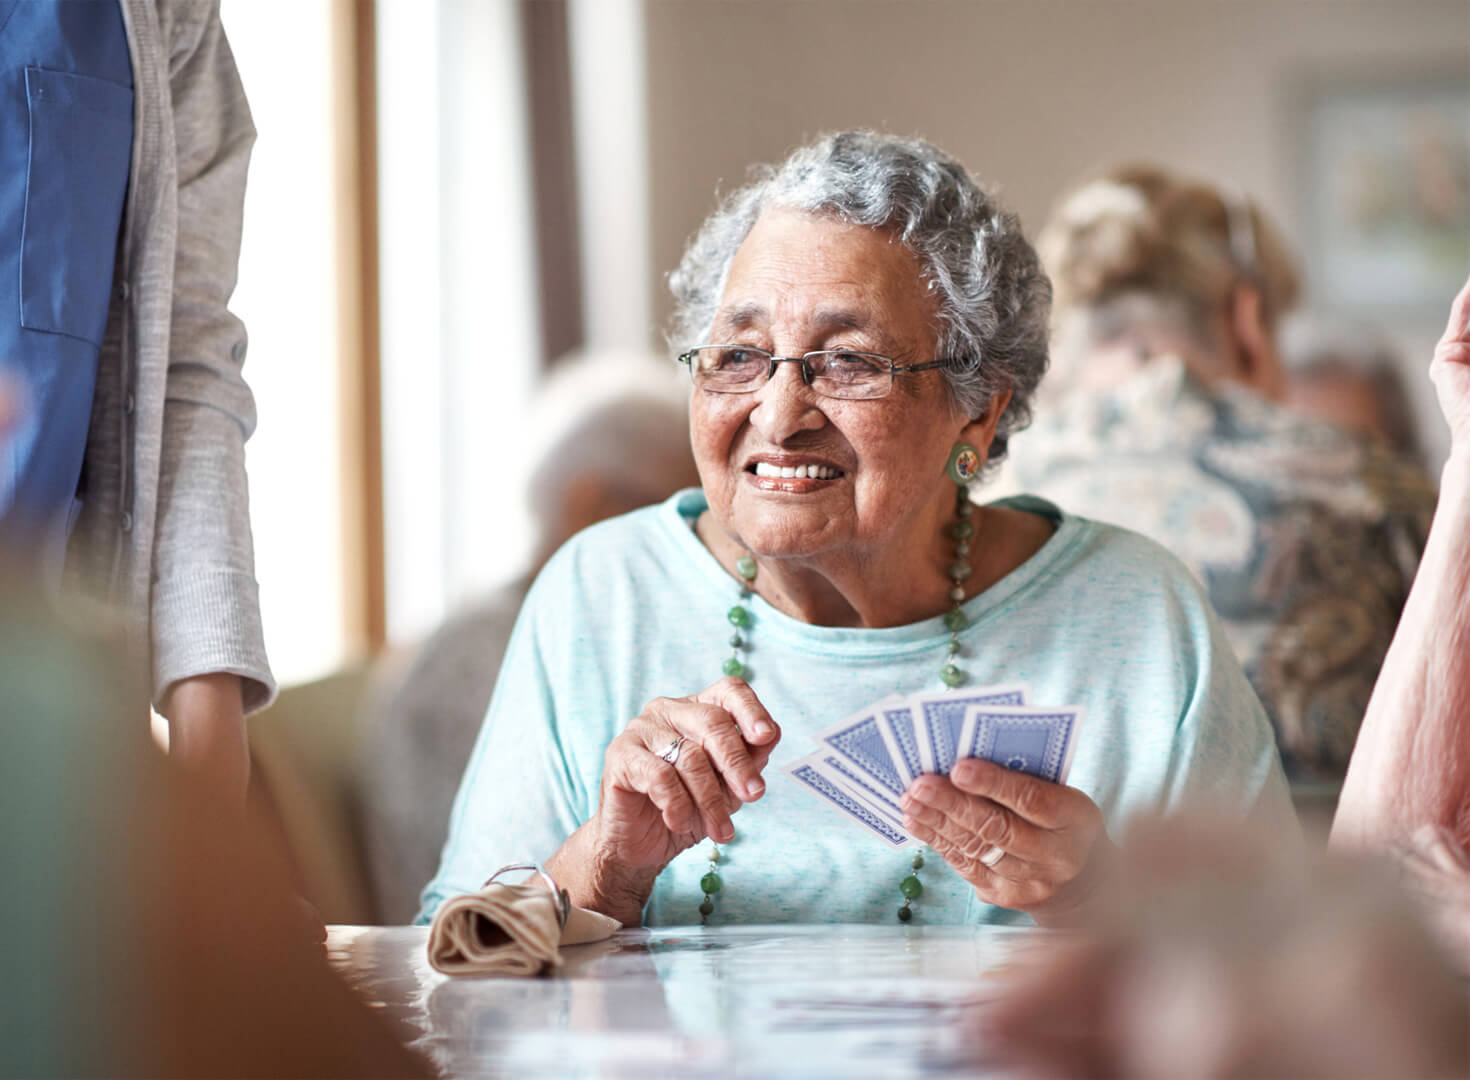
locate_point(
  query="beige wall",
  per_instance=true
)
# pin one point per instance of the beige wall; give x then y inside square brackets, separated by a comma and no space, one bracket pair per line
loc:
[1030,94]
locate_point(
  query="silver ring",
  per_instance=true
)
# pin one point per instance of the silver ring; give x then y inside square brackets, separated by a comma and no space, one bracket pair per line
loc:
[993,856]
[670,753]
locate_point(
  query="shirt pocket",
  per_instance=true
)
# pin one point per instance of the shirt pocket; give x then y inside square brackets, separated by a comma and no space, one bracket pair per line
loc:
[81,141]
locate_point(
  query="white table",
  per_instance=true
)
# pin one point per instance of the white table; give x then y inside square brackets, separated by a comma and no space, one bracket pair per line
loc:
[691,1002]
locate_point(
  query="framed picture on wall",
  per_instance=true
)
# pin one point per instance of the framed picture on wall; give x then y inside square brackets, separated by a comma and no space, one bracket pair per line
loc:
[1385,191]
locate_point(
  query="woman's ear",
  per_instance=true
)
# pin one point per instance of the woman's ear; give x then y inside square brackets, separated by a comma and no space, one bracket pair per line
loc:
[1253,345]
[980,431]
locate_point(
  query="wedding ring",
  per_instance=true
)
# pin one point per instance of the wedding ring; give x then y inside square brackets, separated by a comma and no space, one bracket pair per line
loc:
[670,753]
[993,856]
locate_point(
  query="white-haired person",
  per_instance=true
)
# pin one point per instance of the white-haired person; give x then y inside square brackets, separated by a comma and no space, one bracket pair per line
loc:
[865,328]
[1166,413]
[608,436]
[1224,954]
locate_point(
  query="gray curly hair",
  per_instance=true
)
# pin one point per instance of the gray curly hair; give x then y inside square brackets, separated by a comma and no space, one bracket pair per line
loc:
[994,297]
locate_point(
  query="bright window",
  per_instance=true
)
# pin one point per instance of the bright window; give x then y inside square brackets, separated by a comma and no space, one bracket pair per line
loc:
[288,297]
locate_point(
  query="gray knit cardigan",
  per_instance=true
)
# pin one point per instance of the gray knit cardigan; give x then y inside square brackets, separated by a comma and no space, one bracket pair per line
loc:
[163,535]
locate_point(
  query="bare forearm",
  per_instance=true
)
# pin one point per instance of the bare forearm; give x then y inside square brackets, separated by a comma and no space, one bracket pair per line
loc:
[206,721]
[596,884]
[1411,764]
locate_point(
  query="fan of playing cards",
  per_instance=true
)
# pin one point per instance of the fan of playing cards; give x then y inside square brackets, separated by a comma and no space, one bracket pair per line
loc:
[864,763]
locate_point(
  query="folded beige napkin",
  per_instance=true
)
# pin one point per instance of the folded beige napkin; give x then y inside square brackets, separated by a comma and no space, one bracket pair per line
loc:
[510,930]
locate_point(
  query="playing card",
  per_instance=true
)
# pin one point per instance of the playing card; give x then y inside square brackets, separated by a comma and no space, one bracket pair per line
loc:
[858,783]
[813,777]
[859,741]
[896,726]
[940,718]
[1038,741]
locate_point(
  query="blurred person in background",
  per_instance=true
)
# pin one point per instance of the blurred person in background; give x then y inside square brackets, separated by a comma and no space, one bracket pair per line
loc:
[1407,790]
[1350,378]
[123,151]
[1222,954]
[611,434]
[1165,413]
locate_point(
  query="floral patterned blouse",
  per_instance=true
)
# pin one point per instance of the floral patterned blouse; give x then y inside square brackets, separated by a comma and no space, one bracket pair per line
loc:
[1306,537]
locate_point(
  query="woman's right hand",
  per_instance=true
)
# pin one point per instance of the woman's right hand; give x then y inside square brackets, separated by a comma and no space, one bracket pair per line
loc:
[1450,372]
[651,809]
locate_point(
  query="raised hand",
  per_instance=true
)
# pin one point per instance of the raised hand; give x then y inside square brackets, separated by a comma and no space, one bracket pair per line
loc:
[675,775]
[1450,371]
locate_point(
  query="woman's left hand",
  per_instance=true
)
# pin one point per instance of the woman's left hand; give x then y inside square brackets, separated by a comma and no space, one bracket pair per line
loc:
[1056,850]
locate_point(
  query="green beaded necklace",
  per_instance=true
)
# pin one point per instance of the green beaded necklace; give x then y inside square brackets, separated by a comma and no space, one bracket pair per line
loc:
[963,465]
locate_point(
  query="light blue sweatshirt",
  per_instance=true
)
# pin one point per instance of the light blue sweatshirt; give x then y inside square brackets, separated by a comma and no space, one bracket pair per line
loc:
[634,608]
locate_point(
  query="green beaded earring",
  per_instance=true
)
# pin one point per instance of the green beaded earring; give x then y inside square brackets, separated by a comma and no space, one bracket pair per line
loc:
[964,463]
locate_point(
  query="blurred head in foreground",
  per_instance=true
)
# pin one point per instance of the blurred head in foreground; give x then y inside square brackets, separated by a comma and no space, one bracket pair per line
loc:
[1148,264]
[1216,958]
[147,929]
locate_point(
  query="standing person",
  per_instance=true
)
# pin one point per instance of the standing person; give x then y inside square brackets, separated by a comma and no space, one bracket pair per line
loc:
[1165,413]
[123,152]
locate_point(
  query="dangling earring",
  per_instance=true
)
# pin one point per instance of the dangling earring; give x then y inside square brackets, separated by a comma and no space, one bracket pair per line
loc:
[963,467]
[964,463]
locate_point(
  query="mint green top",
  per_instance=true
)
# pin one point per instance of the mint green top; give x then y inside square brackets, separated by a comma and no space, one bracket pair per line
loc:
[634,608]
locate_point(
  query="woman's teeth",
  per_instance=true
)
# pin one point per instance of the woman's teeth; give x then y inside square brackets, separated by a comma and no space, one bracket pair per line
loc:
[799,472]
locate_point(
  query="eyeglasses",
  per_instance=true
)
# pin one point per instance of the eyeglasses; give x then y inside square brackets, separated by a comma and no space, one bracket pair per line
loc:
[835,373]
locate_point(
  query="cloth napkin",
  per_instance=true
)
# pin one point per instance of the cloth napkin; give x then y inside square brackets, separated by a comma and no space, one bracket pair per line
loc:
[510,930]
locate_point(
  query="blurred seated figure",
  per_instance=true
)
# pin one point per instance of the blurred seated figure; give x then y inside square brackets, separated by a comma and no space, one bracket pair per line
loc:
[613,433]
[1408,787]
[1165,414]
[1350,378]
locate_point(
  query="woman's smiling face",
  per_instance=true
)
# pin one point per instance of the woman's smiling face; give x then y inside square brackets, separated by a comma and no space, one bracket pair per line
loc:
[801,283]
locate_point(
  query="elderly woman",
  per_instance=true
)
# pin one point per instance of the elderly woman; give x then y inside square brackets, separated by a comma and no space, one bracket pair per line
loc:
[856,320]
[1165,413]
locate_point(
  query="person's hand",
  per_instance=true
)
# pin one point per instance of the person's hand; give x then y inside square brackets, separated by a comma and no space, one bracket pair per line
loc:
[1056,850]
[206,732]
[652,809]
[1450,372]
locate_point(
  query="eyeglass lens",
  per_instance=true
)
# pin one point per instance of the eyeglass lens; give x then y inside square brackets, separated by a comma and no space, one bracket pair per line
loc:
[833,373]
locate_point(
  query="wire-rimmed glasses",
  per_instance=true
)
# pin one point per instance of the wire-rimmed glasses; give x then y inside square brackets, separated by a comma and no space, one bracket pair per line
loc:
[835,373]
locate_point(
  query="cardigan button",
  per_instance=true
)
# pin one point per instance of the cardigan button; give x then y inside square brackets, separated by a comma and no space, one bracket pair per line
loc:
[128,405]
[126,522]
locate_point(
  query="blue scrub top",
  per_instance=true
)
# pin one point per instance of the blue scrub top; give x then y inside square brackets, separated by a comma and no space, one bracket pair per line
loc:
[66,136]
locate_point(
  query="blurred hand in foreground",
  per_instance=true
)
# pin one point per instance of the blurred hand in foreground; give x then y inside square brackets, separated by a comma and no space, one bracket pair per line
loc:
[1213,958]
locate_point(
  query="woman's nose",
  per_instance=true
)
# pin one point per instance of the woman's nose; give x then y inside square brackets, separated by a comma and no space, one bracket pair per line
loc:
[786,405]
